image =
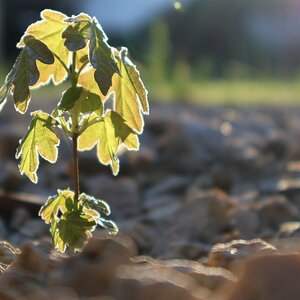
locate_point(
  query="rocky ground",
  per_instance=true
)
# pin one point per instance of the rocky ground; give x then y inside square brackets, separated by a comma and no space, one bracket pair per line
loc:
[209,209]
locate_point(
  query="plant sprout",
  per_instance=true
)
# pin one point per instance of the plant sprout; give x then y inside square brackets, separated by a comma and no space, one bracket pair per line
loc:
[58,48]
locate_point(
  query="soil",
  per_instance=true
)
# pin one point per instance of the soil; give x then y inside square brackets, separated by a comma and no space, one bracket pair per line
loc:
[207,205]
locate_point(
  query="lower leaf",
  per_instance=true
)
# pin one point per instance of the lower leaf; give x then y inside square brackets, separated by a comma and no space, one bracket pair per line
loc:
[72,222]
[73,230]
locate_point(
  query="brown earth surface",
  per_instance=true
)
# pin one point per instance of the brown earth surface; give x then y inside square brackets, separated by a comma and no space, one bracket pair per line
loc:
[209,208]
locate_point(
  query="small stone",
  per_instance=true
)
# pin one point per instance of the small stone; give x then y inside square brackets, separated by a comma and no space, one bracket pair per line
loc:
[91,272]
[143,235]
[288,245]
[171,185]
[19,216]
[185,249]
[202,216]
[269,277]
[222,178]
[276,145]
[163,212]
[32,260]
[8,254]
[34,228]
[160,201]
[274,211]
[246,222]
[230,254]
[3,230]
[208,277]
[121,194]
[150,282]
[289,230]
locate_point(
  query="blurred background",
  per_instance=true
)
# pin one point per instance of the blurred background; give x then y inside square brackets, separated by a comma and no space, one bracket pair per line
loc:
[219,159]
[200,50]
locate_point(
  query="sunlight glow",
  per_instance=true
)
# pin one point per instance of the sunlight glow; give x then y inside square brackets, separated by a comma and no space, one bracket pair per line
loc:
[177,5]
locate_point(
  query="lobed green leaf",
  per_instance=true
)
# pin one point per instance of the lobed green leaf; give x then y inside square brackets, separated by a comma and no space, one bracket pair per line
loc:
[62,202]
[108,134]
[72,223]
[41,140]
[76,34]
[25,72]
[101,55]
[95,204]
[108,224]
[73,230]
[49,31]
[131,97]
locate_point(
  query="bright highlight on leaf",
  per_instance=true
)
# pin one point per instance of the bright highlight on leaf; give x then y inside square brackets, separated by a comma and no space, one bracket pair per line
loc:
[88,102]
[74,229]
[101,55]
[49,31]
[57,204]
[72,223]
[131,96]
[25,72]
[41,140]
[58,47]
[108,134]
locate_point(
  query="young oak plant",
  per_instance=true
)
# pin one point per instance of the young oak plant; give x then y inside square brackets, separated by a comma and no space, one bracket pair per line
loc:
[54,49]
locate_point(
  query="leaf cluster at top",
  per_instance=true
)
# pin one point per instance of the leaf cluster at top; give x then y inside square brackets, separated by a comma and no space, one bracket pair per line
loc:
[57,48]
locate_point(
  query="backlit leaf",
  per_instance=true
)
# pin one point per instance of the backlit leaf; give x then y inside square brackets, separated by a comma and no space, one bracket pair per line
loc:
[80,100]
[95,204]
[88,102]
[41,140]
[72,223]
[77,33]
[69,98]
[108,224]
[91,212]
[87,80]
[108,134]
[100,53]
[130,93]
[58,243]
[74,229]
[25,72]
[102,58]
[56,204]
[49,30]
[95,208]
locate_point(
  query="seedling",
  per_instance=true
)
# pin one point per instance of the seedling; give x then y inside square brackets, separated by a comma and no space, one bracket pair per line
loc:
[54,49]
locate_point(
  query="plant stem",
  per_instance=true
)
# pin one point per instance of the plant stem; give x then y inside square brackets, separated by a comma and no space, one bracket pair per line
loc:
[63,64]
[75,120]
[82,67]
[75,168]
